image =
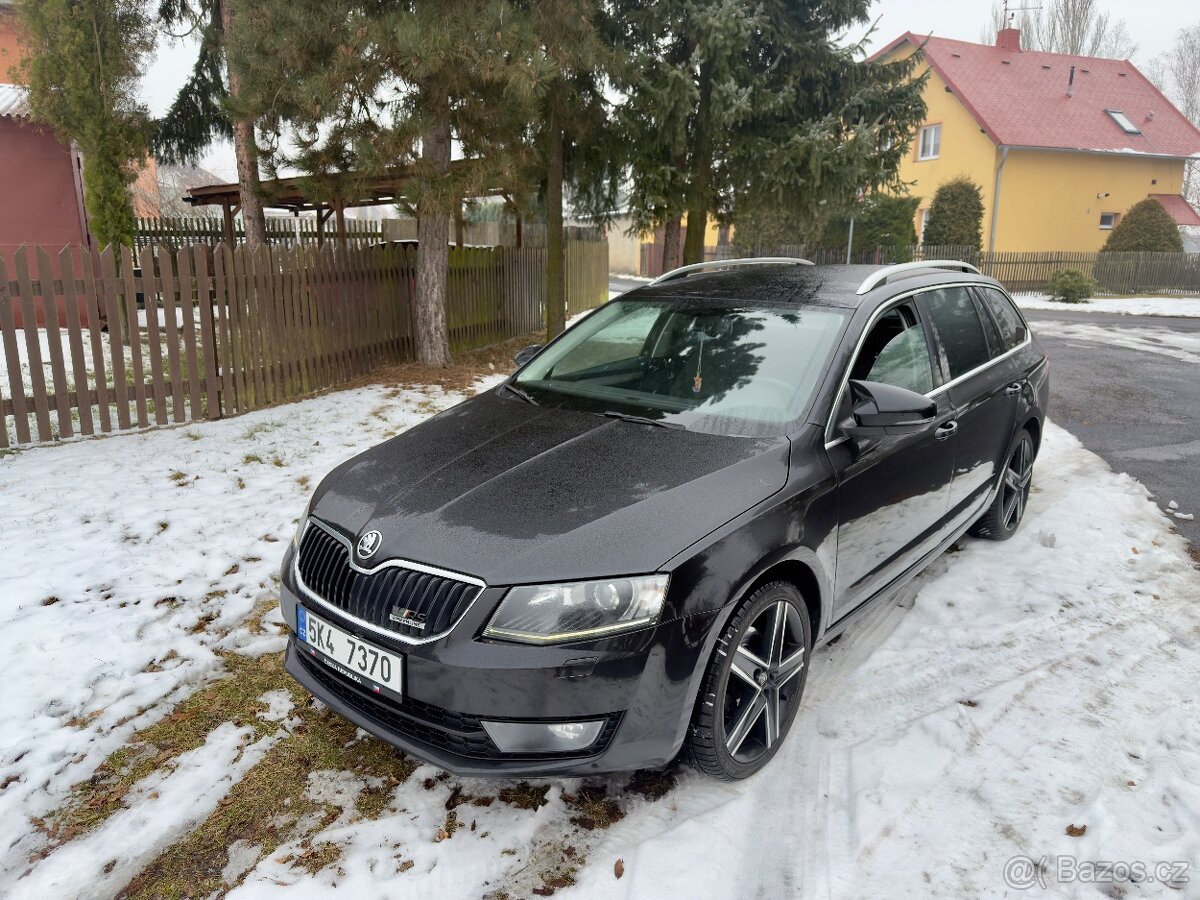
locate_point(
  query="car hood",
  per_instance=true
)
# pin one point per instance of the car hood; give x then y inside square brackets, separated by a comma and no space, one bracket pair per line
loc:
[514,493]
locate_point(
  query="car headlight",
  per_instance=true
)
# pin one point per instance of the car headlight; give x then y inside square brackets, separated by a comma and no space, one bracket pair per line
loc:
[303,520]
[553,613]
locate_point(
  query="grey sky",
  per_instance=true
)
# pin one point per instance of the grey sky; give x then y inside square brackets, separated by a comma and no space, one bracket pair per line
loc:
[1152,24]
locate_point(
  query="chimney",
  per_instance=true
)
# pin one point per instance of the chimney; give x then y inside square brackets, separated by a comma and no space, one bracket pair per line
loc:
[1009,39]
[1071,83]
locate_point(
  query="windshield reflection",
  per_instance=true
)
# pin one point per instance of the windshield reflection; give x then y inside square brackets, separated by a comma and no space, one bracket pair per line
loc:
[709,366]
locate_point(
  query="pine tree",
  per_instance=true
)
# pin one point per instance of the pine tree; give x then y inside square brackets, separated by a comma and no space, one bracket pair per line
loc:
[955,215]
[754,114]
[1147,227]
[357,89]
[83,64]
[202,110]
[569,59]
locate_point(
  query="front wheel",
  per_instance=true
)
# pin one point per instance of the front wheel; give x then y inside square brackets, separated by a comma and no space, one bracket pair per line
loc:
[753,685]
[1004,516]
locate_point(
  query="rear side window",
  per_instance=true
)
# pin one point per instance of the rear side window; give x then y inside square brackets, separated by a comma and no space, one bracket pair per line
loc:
[1009,321]
[958,329]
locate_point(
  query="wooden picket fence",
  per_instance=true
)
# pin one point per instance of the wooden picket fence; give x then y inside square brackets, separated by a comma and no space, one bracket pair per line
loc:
[180,231]
[104,342]
[1114,273]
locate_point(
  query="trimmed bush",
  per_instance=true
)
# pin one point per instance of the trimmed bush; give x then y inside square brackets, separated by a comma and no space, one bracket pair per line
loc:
[1148,228]
[1070,286]
[880,221]
[955,215]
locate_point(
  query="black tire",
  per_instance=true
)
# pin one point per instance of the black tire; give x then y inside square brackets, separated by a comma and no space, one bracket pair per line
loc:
[1004,516]
[715,745]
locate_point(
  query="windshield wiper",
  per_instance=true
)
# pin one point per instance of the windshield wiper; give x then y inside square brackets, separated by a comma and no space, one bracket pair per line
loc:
[641,420]
[520,392]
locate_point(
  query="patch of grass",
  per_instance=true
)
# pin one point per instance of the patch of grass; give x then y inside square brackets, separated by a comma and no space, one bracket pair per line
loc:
[260,428]
[232,698]
[163,526]
[251,458]
[319,856]
[192,435]
[277,462]
[525,795]
[178,477]
[265,807]
[594,807]
[304,481]
[653,785]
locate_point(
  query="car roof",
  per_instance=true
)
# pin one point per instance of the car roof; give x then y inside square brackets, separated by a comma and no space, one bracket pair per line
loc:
[800,285]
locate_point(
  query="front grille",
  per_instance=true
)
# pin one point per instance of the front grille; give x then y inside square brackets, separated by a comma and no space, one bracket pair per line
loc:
[424,599]
[455,732]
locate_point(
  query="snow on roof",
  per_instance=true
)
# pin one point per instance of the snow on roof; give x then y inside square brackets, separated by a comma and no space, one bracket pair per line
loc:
[14,101]
[1025,98]
[1180,210]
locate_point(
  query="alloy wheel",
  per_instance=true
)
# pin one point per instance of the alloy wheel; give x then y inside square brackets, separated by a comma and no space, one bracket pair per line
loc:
[1017,478]
[763,686]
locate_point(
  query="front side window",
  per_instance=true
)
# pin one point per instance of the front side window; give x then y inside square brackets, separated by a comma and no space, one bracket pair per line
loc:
[930,146]
[958,330]
[1008,320]
[895,352]
[709,365]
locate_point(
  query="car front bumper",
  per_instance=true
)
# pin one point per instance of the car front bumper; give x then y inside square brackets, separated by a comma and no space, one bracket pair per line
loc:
[642,685]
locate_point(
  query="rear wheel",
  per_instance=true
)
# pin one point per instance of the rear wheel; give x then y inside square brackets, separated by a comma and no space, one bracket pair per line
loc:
[1004,516]
[753,685]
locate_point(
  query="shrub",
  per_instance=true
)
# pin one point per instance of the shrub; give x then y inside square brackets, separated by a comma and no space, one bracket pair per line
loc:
[1070,286]
[879,221]
[955,215]
[1147,227]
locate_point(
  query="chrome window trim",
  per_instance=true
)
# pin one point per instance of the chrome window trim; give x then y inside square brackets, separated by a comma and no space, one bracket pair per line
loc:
[830,440]
[386,564]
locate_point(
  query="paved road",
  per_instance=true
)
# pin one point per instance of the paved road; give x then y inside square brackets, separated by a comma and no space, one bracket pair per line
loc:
[1129,388]
[1137,406]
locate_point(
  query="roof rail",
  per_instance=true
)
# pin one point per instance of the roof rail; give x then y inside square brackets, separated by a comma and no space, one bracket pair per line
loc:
[875,279]
[684,271]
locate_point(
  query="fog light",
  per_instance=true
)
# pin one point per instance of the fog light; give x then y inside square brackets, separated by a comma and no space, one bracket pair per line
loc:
[537,737]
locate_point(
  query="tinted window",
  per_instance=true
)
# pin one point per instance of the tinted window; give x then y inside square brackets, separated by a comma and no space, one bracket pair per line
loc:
[958,329]
[1012,327]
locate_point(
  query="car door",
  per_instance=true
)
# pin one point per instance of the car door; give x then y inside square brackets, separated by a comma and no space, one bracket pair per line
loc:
[981,379]
[892,490]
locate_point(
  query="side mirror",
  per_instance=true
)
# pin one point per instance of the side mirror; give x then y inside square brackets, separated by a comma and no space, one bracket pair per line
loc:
[525,354]
[881,409]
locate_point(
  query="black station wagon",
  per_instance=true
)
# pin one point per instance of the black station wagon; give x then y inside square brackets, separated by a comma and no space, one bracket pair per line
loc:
[627,551]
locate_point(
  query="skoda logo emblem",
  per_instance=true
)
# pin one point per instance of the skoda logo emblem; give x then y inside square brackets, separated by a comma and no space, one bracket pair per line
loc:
[369,543]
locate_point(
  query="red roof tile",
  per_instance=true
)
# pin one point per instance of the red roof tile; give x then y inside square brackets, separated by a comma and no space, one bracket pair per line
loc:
[1020,99]
[1180,210]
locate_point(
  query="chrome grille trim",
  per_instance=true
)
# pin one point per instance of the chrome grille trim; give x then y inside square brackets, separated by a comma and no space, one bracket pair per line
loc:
[309,594]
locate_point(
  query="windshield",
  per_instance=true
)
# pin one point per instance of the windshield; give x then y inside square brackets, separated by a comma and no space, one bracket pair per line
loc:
[719,369]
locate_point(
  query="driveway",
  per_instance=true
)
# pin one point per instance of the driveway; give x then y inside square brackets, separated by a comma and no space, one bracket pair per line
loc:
[1129,388]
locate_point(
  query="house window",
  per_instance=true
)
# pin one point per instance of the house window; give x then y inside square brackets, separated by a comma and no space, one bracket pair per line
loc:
[931,142]
[1108,221]
[1123,122]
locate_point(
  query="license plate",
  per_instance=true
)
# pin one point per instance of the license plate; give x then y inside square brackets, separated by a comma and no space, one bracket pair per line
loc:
[379,671]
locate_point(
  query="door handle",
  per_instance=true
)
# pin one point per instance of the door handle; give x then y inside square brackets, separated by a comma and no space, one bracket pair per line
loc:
[946,430]
[1013,389]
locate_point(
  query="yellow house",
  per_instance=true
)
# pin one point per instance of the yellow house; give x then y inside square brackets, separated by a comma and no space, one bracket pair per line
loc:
[1060,145]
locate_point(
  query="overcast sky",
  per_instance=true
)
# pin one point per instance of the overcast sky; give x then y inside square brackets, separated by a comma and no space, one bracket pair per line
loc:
[1152,24]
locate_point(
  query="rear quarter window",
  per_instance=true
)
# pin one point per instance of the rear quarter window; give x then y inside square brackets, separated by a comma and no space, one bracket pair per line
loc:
[1008,320]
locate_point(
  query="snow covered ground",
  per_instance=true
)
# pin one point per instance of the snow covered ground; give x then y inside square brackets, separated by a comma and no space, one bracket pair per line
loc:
[1017,693]
[1188,307]
[1180,345]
